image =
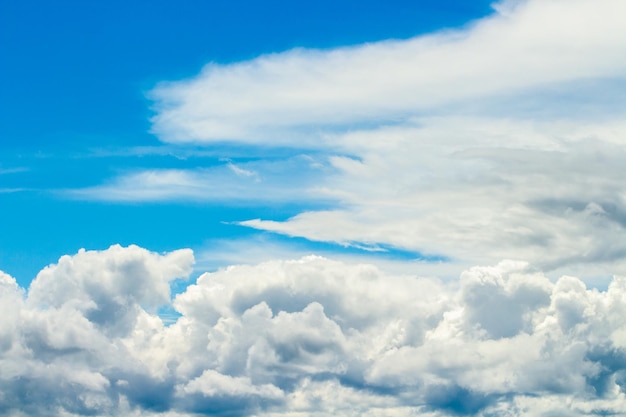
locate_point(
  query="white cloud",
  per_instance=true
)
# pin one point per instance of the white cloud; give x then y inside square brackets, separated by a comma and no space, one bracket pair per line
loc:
[243,172]
[16,170]
[534,45]
[479,190]
[307,337]
[213,383]
[502,139]
[281,180]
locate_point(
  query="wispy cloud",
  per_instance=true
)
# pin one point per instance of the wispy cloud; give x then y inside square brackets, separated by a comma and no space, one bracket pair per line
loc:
[243,172]
[259,247]
[8,171]
[288,98]
[262,181]
[15,170]
[498,140]
[500,144]
[479,190]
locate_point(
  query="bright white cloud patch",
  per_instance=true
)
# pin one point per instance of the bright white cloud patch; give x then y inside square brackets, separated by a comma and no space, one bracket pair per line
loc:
[307,337]
[523,46]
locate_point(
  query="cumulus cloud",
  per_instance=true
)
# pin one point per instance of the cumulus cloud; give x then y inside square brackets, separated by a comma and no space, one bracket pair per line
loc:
[307,337]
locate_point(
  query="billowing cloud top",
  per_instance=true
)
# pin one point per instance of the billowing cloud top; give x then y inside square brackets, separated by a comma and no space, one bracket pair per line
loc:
[307,337]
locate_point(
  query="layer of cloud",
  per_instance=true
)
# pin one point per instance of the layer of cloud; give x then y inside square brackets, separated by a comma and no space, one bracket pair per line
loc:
[503,139]
[307,337]
[288,98]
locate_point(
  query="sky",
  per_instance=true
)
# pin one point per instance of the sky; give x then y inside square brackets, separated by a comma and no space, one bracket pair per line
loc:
[77,102]
[311,209]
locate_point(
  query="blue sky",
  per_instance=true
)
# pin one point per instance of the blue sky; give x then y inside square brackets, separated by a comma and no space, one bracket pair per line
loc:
[75,77]
[281,209]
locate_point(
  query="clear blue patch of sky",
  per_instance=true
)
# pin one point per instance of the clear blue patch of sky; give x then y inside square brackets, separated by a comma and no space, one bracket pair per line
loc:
[38,228]
[73,81]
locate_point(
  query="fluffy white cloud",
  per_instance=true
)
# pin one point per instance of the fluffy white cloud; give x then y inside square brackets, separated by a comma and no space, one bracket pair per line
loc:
[307,337]
[470,144]
[70,350]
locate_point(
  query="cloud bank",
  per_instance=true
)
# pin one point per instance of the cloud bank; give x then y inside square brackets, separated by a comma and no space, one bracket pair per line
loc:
[307,337]
[500,140]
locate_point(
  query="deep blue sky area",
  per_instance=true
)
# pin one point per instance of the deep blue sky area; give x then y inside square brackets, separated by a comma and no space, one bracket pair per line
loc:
[74,77]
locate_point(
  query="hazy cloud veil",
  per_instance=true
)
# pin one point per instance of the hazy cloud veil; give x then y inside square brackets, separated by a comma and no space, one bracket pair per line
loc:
[500,144]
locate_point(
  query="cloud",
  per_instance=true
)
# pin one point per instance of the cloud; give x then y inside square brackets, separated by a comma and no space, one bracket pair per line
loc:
[551,194]
[503,139]
[16,170]
[497,141]
[310,336]
[287,98]
[267,181]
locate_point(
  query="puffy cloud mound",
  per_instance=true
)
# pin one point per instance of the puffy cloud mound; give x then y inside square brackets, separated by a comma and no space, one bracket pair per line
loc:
[310,337]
